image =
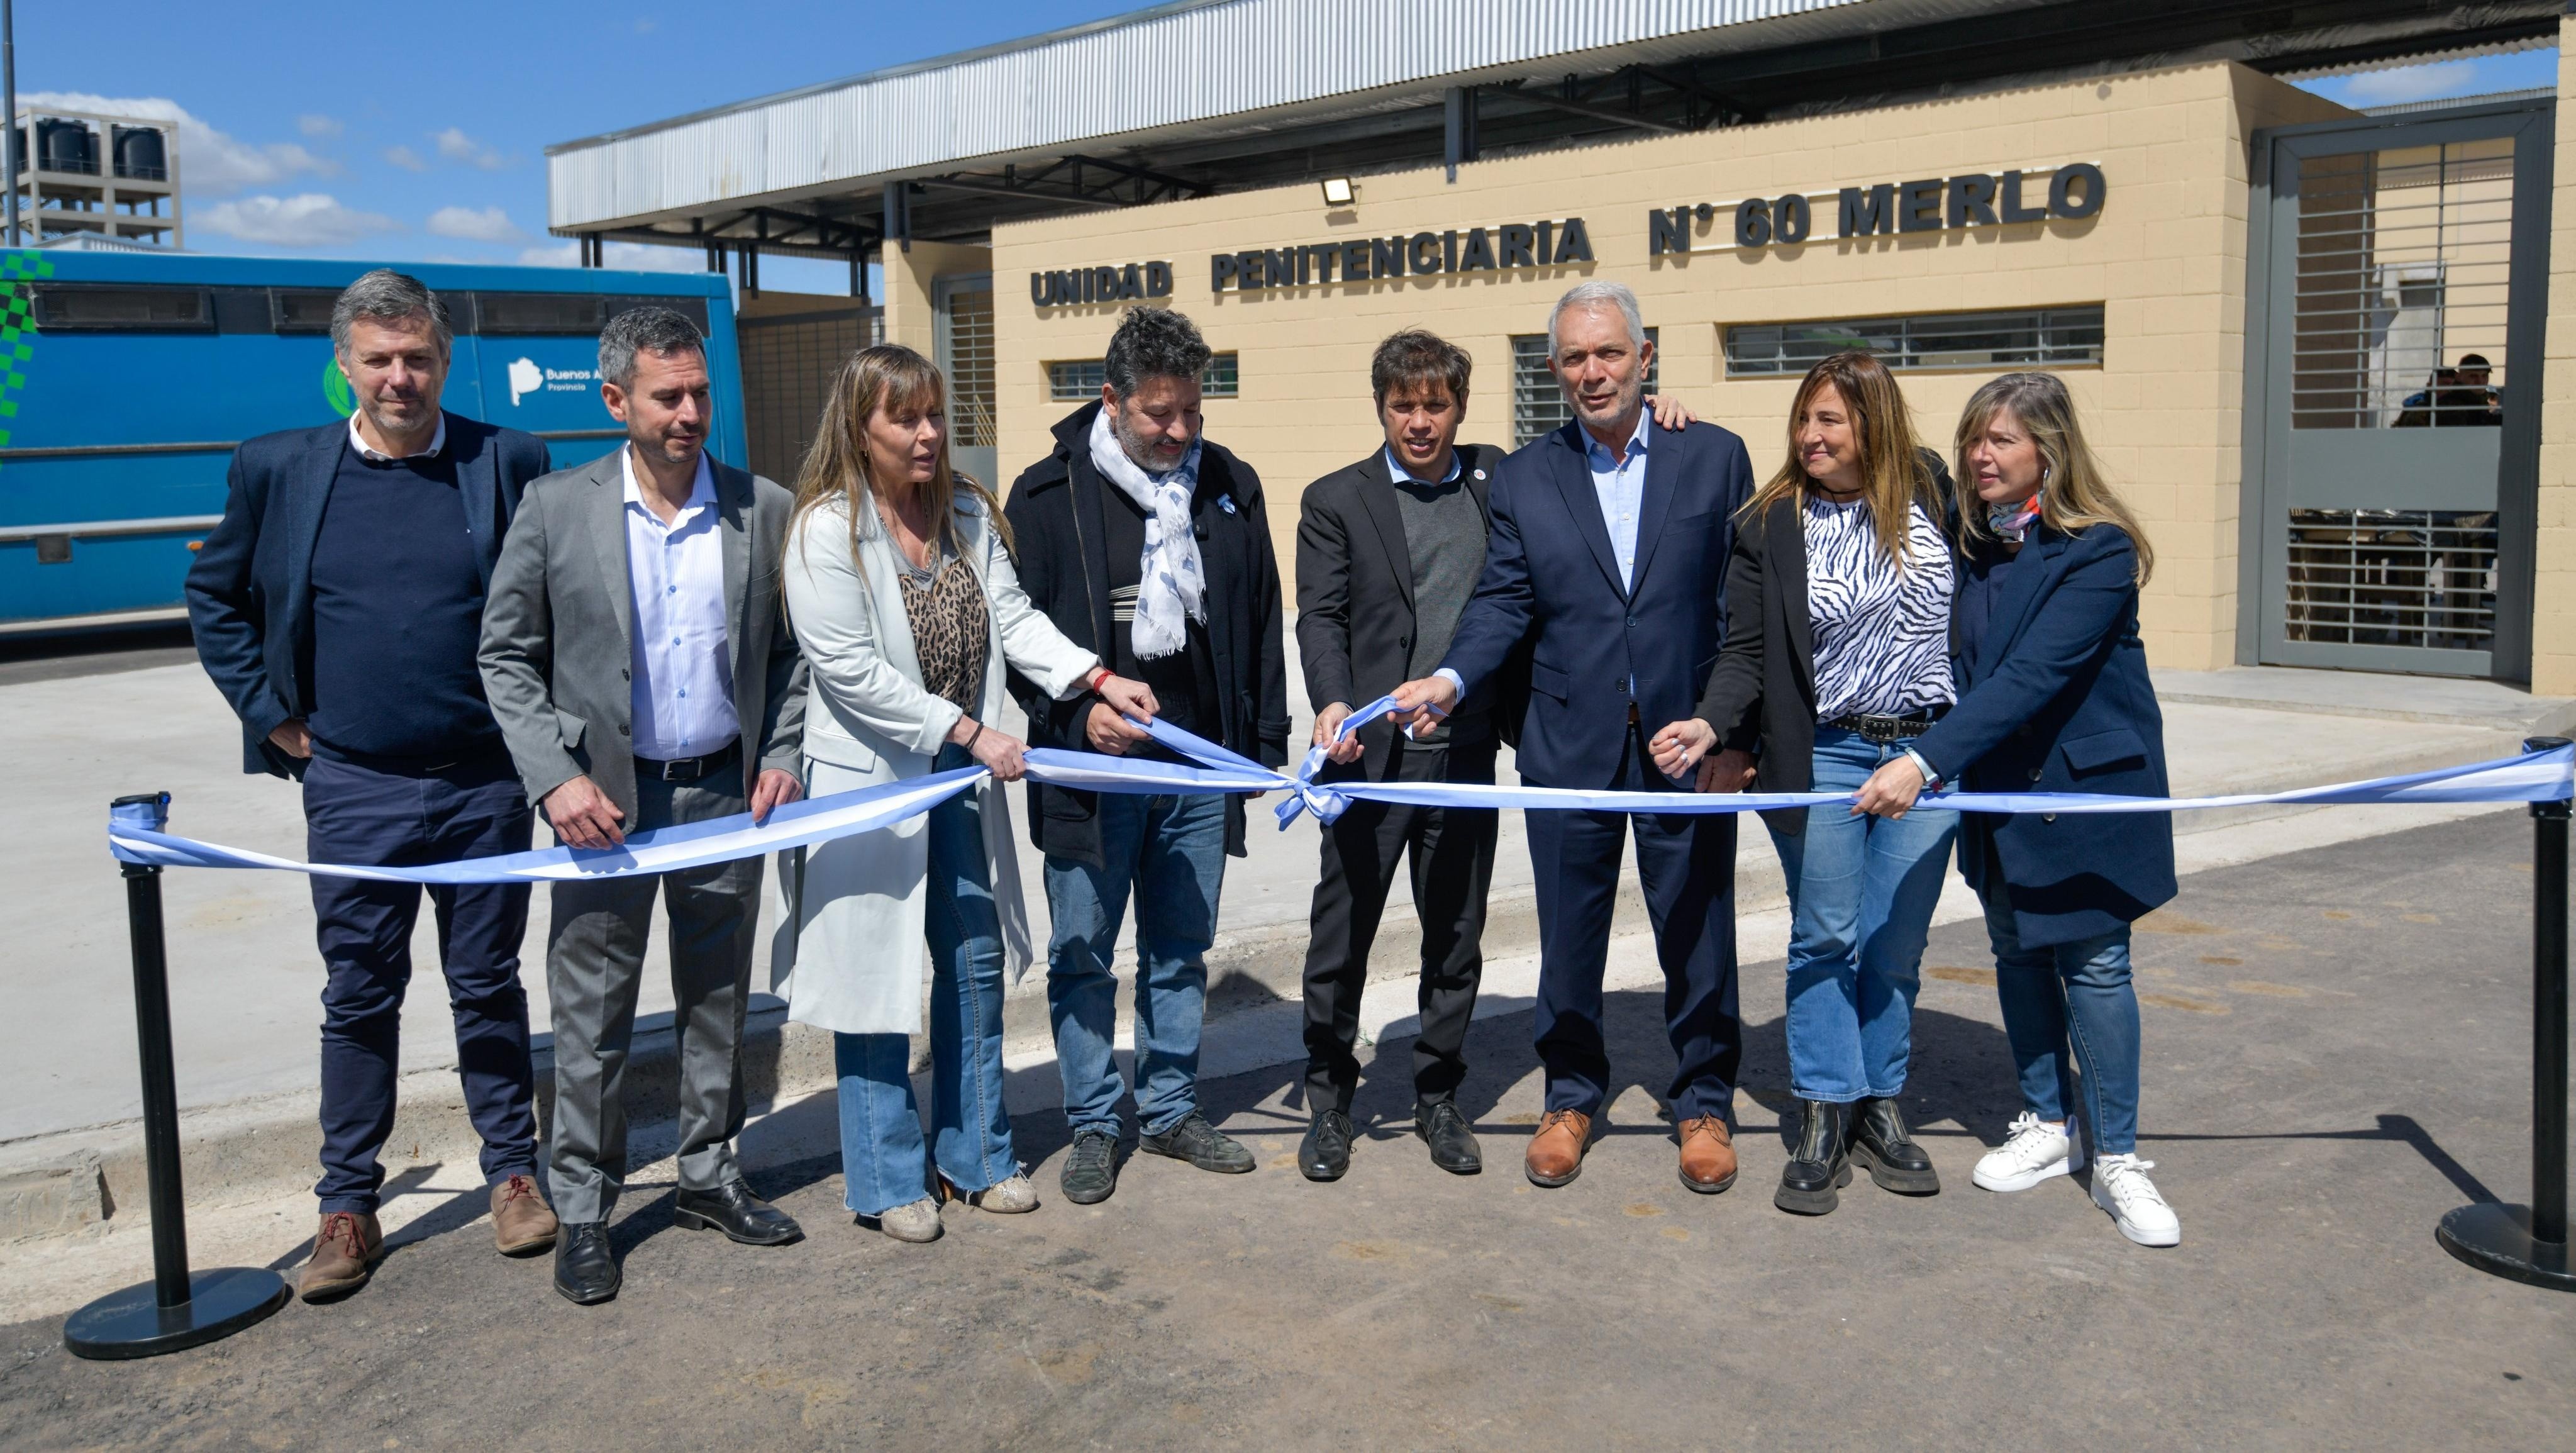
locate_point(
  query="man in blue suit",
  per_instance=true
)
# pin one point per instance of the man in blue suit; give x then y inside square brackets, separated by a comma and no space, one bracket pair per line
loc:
[1607,564]
[338,607]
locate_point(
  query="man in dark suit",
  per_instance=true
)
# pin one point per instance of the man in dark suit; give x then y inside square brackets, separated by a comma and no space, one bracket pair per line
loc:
[644,678]
[1608,560]
[337,608]
[1388,551]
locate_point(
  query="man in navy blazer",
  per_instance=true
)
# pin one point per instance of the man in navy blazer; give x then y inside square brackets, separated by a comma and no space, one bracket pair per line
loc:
[1608,559]
[338,607]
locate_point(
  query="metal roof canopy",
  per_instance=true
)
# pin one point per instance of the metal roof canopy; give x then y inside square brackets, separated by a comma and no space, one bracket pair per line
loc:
[1198,96]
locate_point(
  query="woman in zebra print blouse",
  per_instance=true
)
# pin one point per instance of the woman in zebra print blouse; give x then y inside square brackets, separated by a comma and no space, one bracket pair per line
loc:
[1837,656]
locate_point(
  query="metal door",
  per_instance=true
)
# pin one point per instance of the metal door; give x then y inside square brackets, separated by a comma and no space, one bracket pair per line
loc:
[2401,283]
[964,306]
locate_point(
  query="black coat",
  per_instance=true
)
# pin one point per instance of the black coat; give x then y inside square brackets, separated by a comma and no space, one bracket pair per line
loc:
[1761,697]
[250,590]
[1355,617]
[1059,544]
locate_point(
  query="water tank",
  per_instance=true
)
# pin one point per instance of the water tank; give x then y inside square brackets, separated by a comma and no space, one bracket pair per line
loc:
[65,146]
[141,153]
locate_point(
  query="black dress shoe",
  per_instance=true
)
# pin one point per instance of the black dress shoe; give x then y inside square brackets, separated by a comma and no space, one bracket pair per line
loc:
[1091,1167]
[1883,1146]
[1444,1129]
[1326,1151]
[585,1269]
[1818,1164]
[1202,1145]
[735,1211]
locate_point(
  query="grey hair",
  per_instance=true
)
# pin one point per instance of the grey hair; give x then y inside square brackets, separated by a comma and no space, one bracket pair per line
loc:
[1154,343]
[387,296]
[1598,294]
[659,331]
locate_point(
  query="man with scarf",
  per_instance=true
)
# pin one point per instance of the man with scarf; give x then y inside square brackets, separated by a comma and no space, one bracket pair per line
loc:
[1148,544]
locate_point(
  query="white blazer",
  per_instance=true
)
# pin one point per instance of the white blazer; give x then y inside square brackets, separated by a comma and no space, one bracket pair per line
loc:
[859,954]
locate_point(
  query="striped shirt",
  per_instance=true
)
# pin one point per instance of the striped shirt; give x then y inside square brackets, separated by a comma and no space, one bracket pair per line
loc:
[1881,627]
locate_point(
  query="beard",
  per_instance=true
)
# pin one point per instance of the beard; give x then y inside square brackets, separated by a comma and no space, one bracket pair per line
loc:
[1151,456]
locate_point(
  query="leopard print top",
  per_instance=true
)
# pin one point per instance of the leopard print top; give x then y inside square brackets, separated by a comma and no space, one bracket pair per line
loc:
[950,633]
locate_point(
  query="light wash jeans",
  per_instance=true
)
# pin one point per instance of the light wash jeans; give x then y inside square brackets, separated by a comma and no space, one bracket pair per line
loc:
[1170,851]
[1861,894]
[882,1154]
[2069,994]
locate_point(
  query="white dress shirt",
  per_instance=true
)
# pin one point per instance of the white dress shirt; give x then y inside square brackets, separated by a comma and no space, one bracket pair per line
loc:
[1619,482]
[683,690]
[437,441]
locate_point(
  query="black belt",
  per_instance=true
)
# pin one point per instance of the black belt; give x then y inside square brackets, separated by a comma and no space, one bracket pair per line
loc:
[689,769]
[1890,728]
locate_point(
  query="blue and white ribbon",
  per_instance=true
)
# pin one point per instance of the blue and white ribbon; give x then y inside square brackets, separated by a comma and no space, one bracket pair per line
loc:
[137,832]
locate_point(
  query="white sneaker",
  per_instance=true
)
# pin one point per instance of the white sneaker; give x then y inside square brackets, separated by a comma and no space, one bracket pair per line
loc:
[2036,1151]
[2121,1187]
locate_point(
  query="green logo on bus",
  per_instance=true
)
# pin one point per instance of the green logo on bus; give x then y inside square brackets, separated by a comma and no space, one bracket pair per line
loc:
[335,388]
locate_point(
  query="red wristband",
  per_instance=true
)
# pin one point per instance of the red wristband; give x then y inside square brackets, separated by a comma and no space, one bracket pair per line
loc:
[1098,674]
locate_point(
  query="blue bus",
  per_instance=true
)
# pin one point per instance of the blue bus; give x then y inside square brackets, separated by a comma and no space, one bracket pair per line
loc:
[127,379]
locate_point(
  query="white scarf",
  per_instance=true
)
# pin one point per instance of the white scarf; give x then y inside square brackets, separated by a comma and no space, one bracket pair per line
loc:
[1170,582]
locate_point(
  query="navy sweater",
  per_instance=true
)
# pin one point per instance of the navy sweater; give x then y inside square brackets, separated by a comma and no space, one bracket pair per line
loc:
[397,615]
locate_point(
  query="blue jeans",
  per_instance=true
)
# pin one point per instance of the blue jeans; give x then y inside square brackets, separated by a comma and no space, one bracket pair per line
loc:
[1171,852]
[2066,994]
[1861,894]
[882,1155]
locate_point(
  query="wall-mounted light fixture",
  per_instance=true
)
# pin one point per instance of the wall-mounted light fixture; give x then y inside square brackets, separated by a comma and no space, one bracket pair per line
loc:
[1338,192]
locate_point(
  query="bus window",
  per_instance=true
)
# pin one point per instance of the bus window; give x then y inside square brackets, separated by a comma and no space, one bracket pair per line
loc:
[302,310]
[162,310]
[536,313]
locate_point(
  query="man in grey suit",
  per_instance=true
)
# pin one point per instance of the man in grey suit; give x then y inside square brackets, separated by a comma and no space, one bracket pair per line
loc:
[634,654]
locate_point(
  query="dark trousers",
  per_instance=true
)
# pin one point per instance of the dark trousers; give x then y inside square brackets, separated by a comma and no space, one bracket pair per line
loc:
[1687,867]
[1451,850]
[373,817]
[594,973]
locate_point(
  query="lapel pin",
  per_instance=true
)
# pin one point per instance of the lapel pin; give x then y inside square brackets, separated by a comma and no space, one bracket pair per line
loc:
[1225,502]
[1480,474]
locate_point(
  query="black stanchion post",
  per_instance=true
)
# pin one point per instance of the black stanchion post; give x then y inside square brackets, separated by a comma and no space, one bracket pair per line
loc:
[176,1309]
[2529,1243]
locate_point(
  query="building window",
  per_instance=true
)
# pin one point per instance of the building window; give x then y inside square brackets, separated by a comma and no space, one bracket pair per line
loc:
[2022,338]
[1538,405]
[1072,383]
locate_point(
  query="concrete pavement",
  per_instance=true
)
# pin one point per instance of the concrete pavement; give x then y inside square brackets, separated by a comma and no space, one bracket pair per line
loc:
[2336,1054]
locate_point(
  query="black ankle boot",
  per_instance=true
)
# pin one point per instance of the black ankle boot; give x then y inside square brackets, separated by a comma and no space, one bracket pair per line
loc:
[1817,1164]
[1886,1149]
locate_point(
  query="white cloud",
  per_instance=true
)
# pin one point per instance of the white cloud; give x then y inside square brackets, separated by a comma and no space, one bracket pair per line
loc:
[455,145]
[2412,83]
[488,225]
[622,256]
[210,162]
[318,127]
[406,158]
[312,219]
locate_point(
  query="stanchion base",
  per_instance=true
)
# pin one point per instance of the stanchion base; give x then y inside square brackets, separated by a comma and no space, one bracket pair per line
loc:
[131,1324]
[2497,1240]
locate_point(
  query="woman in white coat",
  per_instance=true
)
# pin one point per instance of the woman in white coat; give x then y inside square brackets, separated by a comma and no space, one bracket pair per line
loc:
[900,589]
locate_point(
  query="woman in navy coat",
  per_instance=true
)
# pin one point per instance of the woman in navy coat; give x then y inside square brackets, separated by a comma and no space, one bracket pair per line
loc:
[2054,697]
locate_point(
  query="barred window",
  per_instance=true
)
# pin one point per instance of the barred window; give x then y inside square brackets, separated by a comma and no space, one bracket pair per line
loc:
[2024,337]
[1072,383]
[1538,405]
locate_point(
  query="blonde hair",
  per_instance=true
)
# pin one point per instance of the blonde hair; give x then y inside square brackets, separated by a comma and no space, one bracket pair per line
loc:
[1893,475]
[835,471]
[2074,496]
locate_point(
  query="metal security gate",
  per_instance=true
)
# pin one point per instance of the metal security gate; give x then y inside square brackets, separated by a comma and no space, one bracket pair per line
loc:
[964,307]
[2395,327]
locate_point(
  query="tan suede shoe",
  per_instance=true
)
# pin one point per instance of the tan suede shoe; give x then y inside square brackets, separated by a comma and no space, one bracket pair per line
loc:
[1556,1152]
[1708,1155]
[521,1223]
[344,1256]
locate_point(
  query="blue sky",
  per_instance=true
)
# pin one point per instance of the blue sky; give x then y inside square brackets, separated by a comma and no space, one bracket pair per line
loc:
[346,131]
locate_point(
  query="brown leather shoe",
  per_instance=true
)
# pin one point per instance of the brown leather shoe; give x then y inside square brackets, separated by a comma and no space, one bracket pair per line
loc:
[344,1255]
[1556,1151]
[1708,1155]
[521,1223]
